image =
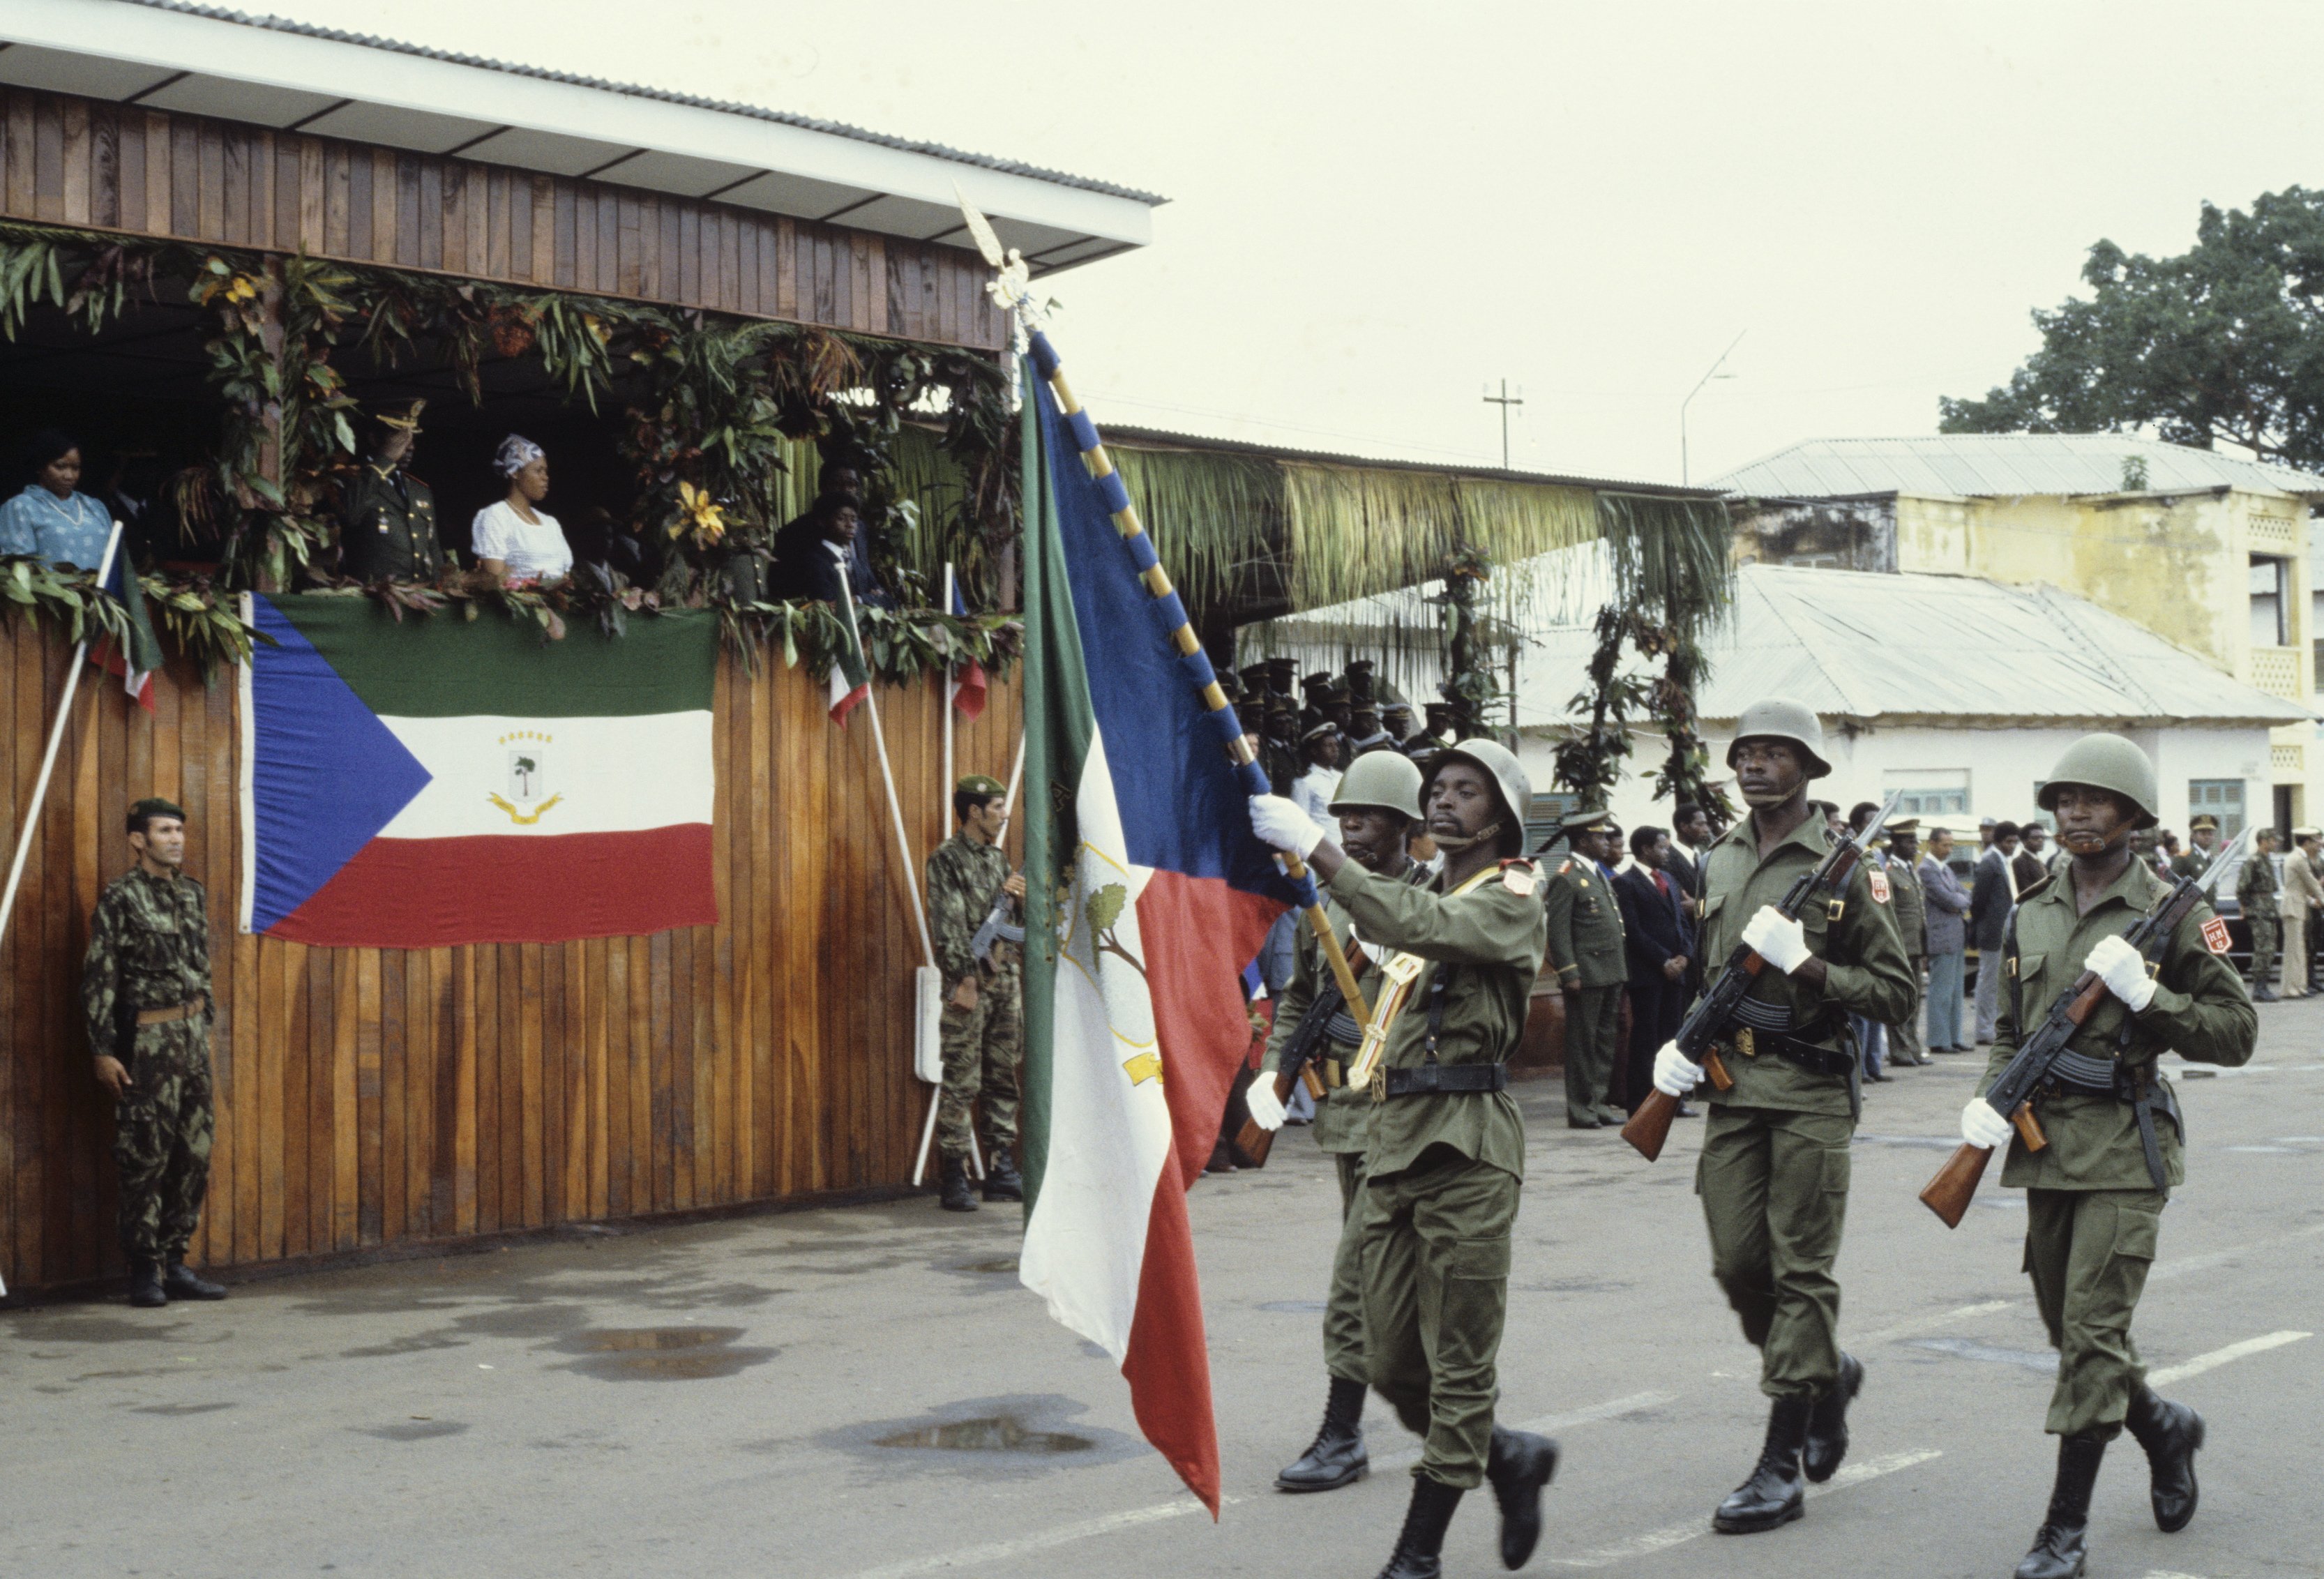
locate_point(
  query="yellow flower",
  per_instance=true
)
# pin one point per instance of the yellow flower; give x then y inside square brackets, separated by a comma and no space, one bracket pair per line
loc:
[243,289]
[708,519]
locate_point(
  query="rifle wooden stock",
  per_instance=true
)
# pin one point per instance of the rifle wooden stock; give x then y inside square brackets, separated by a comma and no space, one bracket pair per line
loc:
[1251,1140]
[1649,1126]
[1255,1142]
[1948,1195]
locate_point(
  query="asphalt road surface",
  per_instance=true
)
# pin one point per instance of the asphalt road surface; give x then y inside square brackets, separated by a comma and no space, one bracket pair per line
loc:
[866,1393]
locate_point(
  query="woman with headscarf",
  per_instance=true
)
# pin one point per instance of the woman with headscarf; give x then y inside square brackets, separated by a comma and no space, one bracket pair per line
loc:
[514,543]
[52,517]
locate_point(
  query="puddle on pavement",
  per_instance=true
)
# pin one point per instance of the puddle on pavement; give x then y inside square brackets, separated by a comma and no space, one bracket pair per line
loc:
[2041,1360]
[991,1433]
[999,1267]
[661,1353]
[1294,1307]
[179,1408]
[414,1430]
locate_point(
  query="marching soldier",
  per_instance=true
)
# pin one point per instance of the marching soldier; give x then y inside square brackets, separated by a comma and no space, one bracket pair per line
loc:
[1378,802]
[1774,1166]
[984,1022]
[2095,1193]
[1447,1154]
[1585,949]
[2205,833]
[387,516]
[145,987]
[1903,869]
[2256,894]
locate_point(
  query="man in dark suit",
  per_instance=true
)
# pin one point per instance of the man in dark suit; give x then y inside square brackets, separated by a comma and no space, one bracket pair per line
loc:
[1990,900]
[1657,941]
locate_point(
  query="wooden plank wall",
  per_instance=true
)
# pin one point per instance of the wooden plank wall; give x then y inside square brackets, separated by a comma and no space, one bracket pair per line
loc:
[77,161]
[367,1097]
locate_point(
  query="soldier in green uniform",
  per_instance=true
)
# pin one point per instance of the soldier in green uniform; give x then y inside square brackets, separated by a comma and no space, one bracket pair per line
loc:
[1585,949]
[1435,737]
[1775,1165]
[1447,1156]
[983,1012]
[145,987]
[1900,869]
[2256,894]
[2095,1193]
[2205,833]
[387,516]
[1378,802]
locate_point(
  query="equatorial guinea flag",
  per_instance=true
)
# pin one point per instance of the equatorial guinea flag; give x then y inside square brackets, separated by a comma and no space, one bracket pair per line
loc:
[436,780]
[1134,1017]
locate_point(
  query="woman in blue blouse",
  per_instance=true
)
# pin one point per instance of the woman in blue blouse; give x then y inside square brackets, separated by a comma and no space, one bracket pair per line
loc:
[52,517]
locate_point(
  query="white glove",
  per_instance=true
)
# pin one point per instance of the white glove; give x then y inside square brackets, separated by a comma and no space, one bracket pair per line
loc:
[1265,1111]
[2124,970]
[1675,1074]
[1284,825]
[1777,939]
[1982,1127]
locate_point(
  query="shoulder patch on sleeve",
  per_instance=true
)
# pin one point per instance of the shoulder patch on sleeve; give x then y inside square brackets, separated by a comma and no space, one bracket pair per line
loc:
[1517,877]
[1879,885]
[2214,936]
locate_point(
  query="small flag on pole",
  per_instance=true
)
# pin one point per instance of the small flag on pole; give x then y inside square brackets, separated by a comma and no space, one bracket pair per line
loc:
[851,676]
[136,667]
[968,686]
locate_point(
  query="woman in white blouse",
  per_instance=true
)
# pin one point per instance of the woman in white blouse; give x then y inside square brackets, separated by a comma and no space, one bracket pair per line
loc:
[514,543]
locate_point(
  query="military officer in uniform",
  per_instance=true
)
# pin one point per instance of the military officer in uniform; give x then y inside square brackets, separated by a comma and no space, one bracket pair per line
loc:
[387,516]
[1585,949]
[1901,868]
[1435,737]
[1447,1154]
[1775,1164]
[2205,833]
[2095,1193]
[984,1017]
[2255,893]
[145,987]
[1378,802]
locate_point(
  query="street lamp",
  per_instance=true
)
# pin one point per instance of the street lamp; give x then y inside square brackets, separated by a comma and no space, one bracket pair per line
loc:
[1714,372]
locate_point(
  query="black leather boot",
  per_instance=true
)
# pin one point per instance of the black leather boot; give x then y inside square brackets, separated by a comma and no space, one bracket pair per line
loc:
[957,1195]
[2170,1433]
[145,1290]
[1336,1457]
[1002,1182]
[178,1282]
[1520,1465]
[1773,1493]
[2060,1546]
[1419,1549]
[1828,1423]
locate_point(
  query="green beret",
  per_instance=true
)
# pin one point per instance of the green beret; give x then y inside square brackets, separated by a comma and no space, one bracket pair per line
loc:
[978,784]
[153,805]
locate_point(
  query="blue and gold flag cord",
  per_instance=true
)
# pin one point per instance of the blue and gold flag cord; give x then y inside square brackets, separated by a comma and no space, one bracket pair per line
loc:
[1172,610]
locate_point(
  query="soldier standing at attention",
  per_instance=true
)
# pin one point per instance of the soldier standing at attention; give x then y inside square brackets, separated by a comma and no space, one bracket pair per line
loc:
[1775,1167]
[1378,801]
[1902,868]
[984,1015]
[2095,1194]
[145,987]
[1585,949]
[2204,831]
[1447,1155]
[2256,894]
[387,516]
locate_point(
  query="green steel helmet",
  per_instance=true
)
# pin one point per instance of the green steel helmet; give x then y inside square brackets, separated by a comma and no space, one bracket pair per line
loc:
[1386,778]
[1781,718]
[1498,760]
[2110,763]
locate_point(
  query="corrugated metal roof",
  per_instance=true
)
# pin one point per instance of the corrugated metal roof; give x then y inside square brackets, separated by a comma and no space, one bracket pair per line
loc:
[755,112]
[2003,464]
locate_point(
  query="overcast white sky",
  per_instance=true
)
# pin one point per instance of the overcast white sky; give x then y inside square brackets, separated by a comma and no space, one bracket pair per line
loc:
[1377,210]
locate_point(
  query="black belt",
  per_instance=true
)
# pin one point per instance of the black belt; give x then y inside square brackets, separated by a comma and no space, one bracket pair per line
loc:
[1434,1079]
[1807,1054]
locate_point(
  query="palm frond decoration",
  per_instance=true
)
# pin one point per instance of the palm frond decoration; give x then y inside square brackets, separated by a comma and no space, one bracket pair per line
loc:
[1216,517]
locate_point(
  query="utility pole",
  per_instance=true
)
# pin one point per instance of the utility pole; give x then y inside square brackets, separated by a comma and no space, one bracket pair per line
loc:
[1697,390]
[1505,399]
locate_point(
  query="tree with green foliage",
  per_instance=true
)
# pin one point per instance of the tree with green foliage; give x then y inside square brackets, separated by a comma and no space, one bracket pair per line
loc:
[2223,343]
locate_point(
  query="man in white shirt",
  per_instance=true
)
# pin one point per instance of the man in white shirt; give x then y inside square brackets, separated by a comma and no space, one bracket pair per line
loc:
[1319,775]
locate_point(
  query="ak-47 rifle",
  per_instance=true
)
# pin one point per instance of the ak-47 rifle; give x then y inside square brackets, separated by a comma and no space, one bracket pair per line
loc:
[1298,1064]
[2011,1093]
[997,927]
[1649,1126]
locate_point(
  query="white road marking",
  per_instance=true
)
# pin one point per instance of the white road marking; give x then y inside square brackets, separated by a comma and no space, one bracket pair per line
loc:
[1657,1541]
[1920,1323]
[2169,1574]
[2218,1357]
[2180,1266]
[995,1553]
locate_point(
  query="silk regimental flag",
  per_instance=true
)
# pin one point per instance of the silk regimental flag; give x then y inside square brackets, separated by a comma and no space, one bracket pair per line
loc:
[1134,1016]
[436,780]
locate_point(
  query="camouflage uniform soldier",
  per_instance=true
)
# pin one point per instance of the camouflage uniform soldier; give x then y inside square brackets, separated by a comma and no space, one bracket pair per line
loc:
[145,987]
[387,516]
[1447,1155]
[983,1023]
[1376,805]
[1774,1166]
[2095,1193]
[2255,893]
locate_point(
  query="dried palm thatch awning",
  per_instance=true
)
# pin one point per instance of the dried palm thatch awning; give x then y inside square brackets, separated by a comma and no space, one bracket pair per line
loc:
[1255,531]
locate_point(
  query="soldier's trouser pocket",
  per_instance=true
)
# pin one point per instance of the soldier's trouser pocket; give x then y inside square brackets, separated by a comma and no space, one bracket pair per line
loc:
[2089,1253]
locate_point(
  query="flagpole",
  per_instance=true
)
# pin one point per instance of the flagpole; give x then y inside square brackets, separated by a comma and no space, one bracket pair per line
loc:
[30,826]
[952,695]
